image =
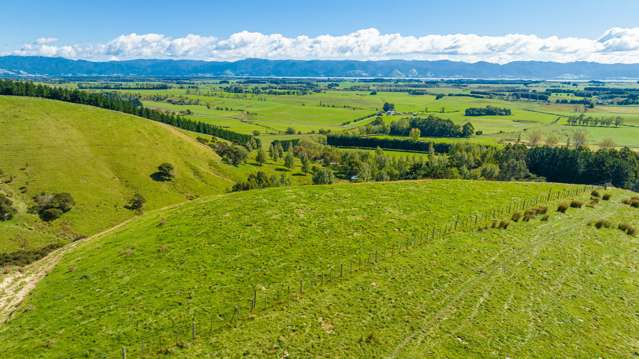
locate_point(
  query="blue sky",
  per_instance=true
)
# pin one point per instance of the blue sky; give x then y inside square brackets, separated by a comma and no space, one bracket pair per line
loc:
[87,23]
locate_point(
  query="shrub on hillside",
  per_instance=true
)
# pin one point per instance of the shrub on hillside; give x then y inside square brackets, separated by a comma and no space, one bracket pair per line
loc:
[606,197]
[595,193]
[6,208]
[516,217]
[164,173]
[576,204]
[533,212]
[563,207]
[24,257]
[603,223]
[628,229]
[136,203]
[51,206]
[503,225]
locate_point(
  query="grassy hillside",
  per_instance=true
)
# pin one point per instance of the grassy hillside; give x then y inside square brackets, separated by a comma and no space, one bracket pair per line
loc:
[374,281]
[556,289]
[101,157]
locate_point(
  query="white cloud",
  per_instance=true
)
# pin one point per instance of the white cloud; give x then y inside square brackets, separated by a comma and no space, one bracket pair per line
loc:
[615,45]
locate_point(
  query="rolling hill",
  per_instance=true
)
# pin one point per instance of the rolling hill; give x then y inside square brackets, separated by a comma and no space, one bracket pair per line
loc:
[408,269]
[102,158]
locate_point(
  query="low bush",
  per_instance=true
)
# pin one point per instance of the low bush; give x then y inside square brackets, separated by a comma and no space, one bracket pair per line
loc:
[6,208]
[595,194]
[603,223]
[606,197]
[51,206]
[516,217]
[634,203]
[531,213]
[164,173]
[563,207]
[503,225]
[628,229]
[576,204]
[24,257]
[136,203]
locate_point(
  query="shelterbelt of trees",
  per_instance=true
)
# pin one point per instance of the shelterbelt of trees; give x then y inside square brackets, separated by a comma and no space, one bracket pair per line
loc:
[122,103]
[583,120]
[388,143]
[430,126]
[488,111]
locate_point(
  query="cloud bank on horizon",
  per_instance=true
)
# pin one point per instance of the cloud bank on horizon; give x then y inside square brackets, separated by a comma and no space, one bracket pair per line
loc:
[617,45]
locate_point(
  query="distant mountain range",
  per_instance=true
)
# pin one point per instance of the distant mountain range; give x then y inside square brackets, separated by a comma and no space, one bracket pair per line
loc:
[534,70]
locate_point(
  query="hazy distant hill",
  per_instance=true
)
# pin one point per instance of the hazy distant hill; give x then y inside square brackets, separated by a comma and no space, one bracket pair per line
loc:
[47,66]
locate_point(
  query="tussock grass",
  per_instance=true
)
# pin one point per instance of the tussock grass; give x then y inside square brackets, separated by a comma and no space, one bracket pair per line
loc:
[563,207]
[503,224]
[603,223]
[628,229]
[576,204]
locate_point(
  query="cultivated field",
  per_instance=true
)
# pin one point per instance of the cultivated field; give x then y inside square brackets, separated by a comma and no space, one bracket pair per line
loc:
[342,109]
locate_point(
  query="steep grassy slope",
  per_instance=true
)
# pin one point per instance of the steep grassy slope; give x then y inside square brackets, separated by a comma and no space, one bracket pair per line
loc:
[144,286]
[101,157]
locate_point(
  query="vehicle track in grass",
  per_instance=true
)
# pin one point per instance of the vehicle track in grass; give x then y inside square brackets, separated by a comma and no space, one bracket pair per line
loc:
[16,285]
[486,279]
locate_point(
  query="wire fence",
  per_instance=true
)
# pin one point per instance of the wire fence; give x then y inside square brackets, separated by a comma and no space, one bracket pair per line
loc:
[162,332]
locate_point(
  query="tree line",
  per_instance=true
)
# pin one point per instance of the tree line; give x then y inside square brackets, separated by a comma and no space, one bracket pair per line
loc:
[122,103]
[431,126]
[472,161]
[487,111]
[388,143]
[560,164]
[583,120]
